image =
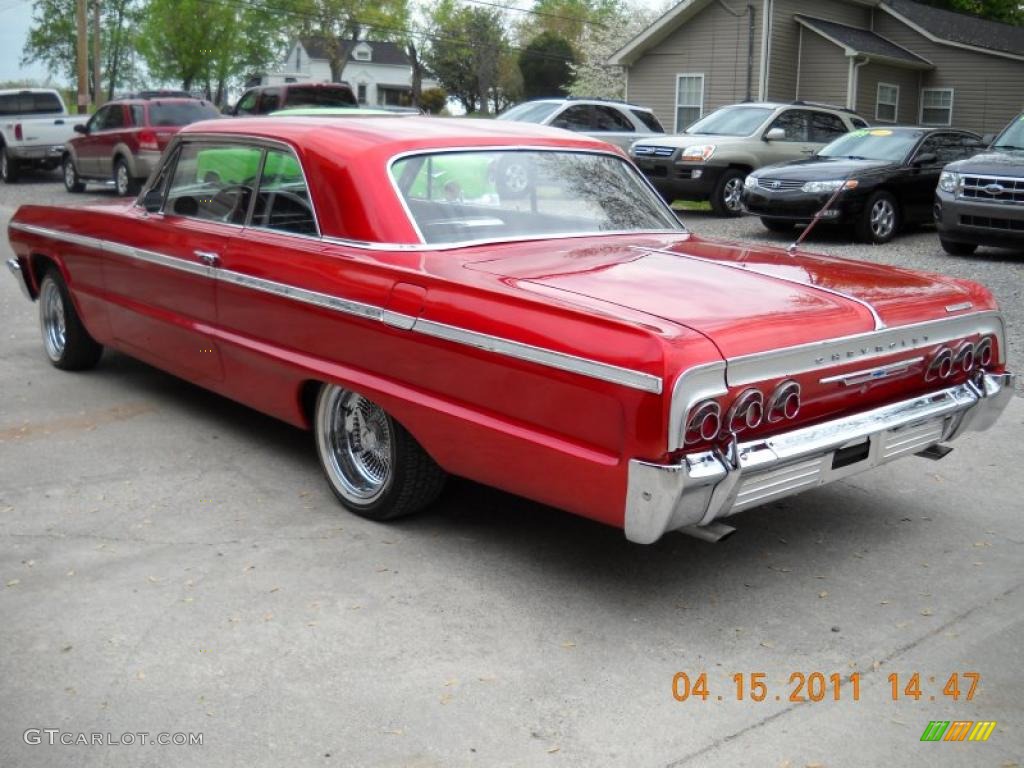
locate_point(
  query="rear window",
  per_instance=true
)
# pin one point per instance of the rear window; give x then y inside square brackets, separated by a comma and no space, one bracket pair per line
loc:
[181,112]
[648,119]
[30,104]
[319,97]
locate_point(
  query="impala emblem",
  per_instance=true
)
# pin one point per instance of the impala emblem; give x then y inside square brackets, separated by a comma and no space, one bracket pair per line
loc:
[994,189]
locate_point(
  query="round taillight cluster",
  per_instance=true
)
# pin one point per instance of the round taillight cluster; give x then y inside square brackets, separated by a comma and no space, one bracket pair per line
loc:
[748,411]
[964,359]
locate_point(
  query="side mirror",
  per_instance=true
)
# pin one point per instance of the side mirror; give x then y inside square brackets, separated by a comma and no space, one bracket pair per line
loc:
[153,200]
[925,158]
[775,134]
[81,128]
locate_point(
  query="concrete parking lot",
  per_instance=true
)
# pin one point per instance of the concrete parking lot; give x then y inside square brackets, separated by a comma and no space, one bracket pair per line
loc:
[172,562]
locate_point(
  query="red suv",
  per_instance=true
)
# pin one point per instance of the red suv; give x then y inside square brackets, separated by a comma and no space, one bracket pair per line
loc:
[124,140]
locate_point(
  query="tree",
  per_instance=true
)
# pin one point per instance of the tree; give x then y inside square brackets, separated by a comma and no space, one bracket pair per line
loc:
[52,41]
[594,76]
[433,100]
[546,64]
[1008,11]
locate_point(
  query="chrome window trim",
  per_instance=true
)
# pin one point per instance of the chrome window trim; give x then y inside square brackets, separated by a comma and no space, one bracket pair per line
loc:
[659,201]
[549,358]
[875,317]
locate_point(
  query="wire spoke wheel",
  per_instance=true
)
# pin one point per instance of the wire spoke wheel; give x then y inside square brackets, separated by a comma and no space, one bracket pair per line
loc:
[53,321]
[357,445]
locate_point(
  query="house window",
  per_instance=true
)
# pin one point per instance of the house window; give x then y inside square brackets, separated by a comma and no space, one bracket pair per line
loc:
[361,93]
[689,100]
[362,54]
[886,103]
[936,106]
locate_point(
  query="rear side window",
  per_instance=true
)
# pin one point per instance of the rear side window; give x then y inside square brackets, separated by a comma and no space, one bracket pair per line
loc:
[825,127]
[268,102]
[180,112]
[610,119]
[578,118]
[138,115]
[648,119]
[282,202]
[795,123]
[305,96]
[213,182]
[858,123]
[30,104]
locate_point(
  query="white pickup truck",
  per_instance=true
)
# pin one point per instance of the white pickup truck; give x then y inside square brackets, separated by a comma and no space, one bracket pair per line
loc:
[34,125]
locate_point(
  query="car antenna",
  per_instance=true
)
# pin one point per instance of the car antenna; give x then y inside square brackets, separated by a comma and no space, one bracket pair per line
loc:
[817,217]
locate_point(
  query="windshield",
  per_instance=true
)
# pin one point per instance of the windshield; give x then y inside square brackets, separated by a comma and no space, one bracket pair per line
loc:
[1012,136]
[530,112]
[456,197]
[181,113]
[731,121]
[305,96]
[873,144]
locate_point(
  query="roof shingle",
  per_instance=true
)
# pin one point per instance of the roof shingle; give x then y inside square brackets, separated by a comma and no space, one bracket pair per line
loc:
[962,27]
[383,52]
[862,41]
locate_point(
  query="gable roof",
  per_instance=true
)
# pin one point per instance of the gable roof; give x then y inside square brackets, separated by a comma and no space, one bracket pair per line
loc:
[661,28]
[961,28]
[384,52]
[863,42]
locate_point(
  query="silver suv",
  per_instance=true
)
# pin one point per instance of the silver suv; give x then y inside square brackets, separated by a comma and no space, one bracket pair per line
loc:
[613,121]
[710,160]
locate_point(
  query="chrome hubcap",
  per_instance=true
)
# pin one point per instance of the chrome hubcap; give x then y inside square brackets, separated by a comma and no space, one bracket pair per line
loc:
[3,163]
[356,443]
[731,194]
[51,315]
[516,177]
[122,180]
[883,217]
[69,175]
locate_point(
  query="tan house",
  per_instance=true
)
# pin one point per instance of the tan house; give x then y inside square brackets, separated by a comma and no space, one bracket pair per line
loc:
[892,61]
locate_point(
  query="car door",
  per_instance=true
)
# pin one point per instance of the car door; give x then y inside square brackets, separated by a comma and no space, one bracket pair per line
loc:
[87,148]
[612,126]
[922,176]
[796,143]
[163,282]
[105,139]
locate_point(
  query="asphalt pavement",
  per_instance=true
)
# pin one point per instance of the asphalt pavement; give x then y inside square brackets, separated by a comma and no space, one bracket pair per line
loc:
[173,563]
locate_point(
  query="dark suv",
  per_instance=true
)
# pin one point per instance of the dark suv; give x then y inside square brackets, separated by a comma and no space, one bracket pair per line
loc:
[980,201]
[265,99]
[124,140]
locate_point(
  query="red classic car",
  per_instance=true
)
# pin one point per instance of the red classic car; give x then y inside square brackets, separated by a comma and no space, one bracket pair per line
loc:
[512,304]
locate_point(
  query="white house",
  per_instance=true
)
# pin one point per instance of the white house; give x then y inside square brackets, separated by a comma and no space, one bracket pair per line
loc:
[379,72]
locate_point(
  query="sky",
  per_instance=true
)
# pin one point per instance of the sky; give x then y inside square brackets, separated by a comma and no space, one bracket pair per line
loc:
[15,19]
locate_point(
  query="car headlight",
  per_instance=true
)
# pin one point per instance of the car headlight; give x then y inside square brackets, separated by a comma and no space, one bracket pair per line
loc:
[949,181]
[698,153]
[750,182]
[829,186]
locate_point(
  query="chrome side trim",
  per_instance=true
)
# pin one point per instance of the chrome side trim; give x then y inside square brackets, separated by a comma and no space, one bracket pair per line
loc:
[562,361]
[709,485]
[14,266]
[804,358]
[875,317]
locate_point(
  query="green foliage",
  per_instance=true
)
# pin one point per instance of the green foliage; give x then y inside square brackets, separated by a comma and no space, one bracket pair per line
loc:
[546,66]
[1008,11]
[433,100]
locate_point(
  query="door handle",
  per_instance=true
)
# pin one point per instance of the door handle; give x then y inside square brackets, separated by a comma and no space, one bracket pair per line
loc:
[209,258]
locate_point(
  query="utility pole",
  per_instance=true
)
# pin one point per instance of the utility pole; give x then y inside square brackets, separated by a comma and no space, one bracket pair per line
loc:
[82,51]
[97,90]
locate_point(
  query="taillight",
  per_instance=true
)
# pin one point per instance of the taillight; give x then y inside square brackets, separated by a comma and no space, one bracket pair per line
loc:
[746,412]
[941,366]
[784,402]
[18,135]
[147,140]
[964,359]
[983,352]
[704,423]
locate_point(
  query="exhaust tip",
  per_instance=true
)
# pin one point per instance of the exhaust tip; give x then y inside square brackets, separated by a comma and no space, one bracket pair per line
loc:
[712,532]
[935,452]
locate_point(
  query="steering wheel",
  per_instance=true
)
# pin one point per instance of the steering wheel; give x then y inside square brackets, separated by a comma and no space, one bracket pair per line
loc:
[232,199]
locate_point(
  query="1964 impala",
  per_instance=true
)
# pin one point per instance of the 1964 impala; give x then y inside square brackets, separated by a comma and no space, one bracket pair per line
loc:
[512,304]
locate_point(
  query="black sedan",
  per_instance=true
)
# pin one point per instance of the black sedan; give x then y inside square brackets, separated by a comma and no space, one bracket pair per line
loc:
[886,178]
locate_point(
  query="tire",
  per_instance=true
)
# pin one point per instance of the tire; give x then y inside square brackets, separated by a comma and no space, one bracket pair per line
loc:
[10,169]
[65,340]
[725,197]
[880,220]
[72,181]
[513,178]
[954,248]
[777,225]
[124,184]
[374,466]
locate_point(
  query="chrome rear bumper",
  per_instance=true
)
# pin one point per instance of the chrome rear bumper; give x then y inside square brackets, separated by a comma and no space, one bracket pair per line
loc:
[709,485]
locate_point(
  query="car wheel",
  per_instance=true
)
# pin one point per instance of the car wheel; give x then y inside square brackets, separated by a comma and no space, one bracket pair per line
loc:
[72,182]
[880,220]
[513,178]
[777,225]
[725,199]
[9,169]
[124,184]
[68,345]
[954,248]
[374,466]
